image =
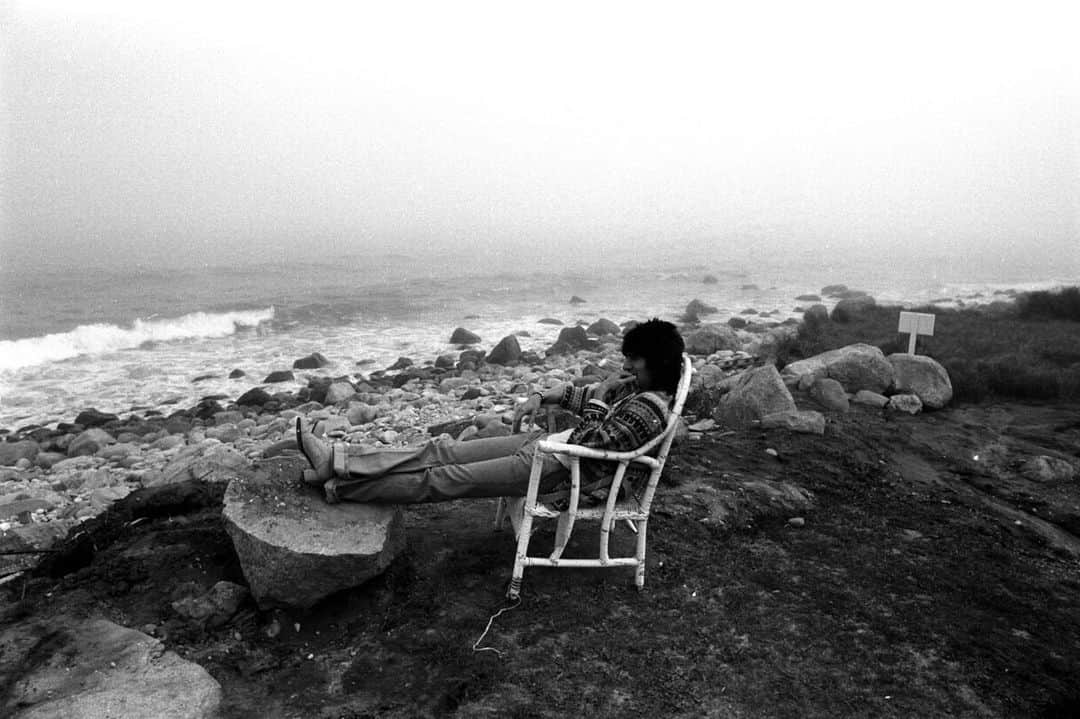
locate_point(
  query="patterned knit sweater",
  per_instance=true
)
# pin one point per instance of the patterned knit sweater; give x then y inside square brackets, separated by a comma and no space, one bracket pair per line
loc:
[622,421]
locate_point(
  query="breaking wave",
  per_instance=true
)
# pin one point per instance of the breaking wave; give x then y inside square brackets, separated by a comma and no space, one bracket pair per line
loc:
[95,339]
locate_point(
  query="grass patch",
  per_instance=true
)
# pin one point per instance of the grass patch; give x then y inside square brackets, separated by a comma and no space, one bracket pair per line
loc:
[1026,351]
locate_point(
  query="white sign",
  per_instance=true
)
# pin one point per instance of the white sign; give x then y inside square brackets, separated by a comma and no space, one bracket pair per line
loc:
[916,323]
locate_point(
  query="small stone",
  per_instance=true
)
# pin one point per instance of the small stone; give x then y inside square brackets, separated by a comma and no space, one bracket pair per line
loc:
[796,522]
[772,452]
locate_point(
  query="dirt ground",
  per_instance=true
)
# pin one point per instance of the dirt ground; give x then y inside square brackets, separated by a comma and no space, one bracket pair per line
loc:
[930,579]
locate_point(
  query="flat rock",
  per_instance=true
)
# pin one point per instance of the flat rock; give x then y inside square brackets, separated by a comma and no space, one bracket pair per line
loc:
[209,461]
[63,667]
[805,421]
[294,548]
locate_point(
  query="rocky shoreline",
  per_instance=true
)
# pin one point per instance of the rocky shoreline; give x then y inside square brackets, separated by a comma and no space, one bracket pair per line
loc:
[52,479]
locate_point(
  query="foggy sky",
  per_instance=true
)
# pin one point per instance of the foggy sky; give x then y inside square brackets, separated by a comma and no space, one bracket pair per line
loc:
[221,131]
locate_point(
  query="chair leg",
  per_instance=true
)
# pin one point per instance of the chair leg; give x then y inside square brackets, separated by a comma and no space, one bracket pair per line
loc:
[524,533]
[639,571]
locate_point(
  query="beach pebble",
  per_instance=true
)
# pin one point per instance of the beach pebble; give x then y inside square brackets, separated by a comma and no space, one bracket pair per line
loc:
[360,413]
[873,399]
[796,522]
[906,403]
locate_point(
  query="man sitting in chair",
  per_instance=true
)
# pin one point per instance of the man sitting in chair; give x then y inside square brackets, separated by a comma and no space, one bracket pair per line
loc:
[619,414]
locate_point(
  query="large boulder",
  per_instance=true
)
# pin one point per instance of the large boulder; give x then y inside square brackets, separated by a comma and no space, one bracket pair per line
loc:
[851,308]
[294,548]
[856,367]
[757,392]
[508,351]
[63,666]
[922,376]
[712,338]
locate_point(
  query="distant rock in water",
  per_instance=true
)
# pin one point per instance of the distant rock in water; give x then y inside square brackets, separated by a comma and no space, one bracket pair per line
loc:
[401,363]
[851,294]
[549,321]
[750,287]
[575,300]
[603,326]
[710,279]
[833,290]
[315,360]
[236,374]
[256,396]
[462,336]
[472,317]
[93,418]
[737,323]
[808,298]
[571,339]
[203,378]
[694,309]
[279,376]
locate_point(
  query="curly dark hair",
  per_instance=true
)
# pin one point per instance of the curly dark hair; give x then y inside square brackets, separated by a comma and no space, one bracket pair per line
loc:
[661,346]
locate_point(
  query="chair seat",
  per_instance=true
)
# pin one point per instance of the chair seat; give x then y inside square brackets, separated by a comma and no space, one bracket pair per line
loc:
[624,509]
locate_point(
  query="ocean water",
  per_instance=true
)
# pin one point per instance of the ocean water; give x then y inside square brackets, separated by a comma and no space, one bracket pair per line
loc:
[132,338]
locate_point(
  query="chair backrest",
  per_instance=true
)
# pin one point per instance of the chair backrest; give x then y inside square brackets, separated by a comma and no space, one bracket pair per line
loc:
[666,438]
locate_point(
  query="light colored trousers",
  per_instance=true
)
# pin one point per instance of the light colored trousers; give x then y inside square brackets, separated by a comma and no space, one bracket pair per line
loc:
[441,470]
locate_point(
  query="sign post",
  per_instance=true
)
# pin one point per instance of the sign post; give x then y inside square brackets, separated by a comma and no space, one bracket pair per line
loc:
[916,323]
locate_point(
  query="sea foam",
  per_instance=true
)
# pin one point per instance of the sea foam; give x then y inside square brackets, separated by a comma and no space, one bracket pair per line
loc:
[95,339]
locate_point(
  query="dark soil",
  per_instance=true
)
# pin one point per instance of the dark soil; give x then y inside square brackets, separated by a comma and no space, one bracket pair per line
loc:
[925,583]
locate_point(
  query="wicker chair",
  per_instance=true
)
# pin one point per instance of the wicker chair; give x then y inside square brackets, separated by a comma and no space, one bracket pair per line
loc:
[634,509]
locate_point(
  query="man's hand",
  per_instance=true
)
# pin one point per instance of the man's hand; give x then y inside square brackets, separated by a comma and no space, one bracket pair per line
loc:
[530,406]
[609,385]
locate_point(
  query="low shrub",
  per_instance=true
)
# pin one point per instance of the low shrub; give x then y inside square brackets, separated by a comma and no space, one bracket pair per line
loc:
[1062,304]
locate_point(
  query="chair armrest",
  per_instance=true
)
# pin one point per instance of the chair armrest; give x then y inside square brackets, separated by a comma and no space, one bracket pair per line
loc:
[575,450]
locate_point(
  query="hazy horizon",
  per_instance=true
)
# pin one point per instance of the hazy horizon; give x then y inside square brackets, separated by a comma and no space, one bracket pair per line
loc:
[224,133]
